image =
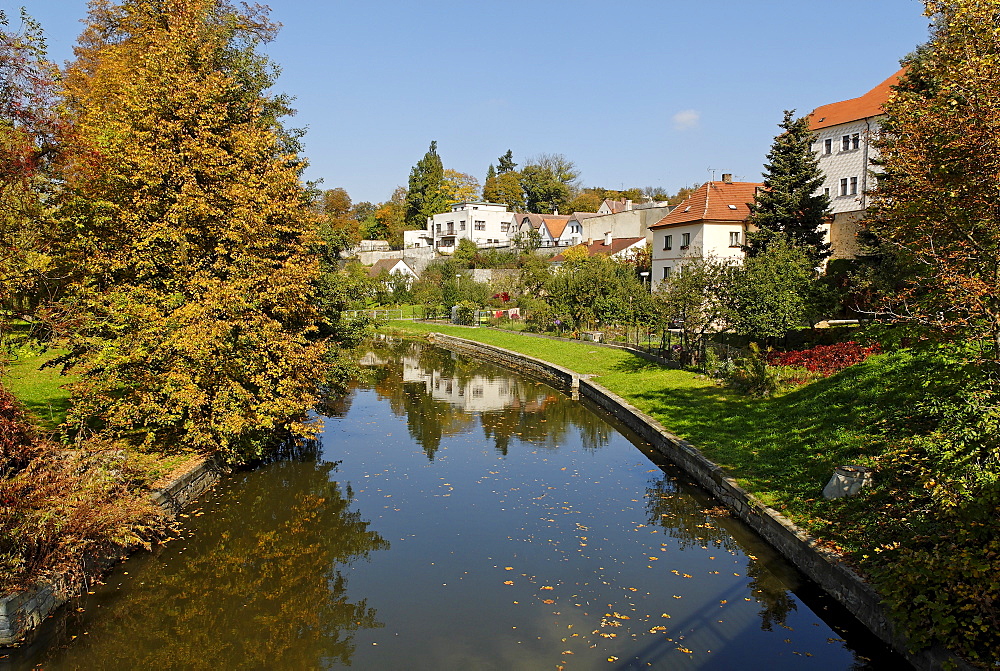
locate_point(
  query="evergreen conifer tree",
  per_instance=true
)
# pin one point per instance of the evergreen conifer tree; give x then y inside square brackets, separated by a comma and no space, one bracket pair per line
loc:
[788,205]
[424,195]
[506,163]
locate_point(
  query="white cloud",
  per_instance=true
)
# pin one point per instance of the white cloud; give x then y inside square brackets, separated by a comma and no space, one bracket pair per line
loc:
[686,119]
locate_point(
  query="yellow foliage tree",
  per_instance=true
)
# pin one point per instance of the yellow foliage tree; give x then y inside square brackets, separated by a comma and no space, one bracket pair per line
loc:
[192,310]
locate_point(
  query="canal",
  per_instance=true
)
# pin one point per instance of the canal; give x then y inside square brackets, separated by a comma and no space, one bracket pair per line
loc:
[456,516]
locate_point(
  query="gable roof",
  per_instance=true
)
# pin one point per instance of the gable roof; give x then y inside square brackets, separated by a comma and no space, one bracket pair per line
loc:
[711,202]
[868,105]
[617,245]
[615,206]
[556,226]
[385,265]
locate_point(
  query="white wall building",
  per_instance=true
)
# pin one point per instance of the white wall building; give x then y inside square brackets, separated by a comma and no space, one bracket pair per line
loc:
[710,222]
[486,224]
[842,142]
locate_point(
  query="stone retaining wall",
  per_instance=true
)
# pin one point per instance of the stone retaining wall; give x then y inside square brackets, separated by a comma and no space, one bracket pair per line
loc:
[22,612]
[822,566]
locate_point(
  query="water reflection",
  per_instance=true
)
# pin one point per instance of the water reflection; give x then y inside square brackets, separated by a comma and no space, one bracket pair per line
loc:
[442,394]
[251,584]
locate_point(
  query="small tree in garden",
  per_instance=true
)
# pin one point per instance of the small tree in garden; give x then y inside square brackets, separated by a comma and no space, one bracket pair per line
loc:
[697,298]
[771,293]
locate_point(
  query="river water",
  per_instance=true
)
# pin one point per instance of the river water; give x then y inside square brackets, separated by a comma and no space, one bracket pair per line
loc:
[456,516]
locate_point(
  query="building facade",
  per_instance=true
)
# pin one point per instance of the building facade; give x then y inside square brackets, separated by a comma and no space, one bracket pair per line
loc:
[843,134]
[711,222]
[486,224]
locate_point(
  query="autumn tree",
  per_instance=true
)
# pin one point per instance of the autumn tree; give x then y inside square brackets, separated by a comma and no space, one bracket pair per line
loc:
[193,302]
[459,187]
[425,195]
[32,134]
[936,204]
[790,205]
[549,183]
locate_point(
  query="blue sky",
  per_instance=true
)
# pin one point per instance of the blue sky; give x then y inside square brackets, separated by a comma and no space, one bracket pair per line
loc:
[636,93]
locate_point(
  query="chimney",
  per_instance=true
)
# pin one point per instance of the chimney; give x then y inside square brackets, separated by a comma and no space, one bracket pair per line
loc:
[628,205]
[556,211]
[727,177]
[607,238]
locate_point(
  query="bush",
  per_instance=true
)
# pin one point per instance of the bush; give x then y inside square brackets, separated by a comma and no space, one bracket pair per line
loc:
[825,359]
[59,507]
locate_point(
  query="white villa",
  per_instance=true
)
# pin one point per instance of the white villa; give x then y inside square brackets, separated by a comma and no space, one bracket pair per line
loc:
[486,224]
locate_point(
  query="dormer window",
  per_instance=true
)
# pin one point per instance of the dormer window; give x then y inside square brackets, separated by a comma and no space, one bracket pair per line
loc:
[732,207]
[687,209]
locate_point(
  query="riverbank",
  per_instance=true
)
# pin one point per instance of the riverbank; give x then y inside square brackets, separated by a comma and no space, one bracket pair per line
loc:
[782,450]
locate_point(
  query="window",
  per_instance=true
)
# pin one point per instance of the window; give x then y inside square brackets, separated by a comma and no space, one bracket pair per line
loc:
[828,146]
[826,192]
[438,227]
[856,141]
[504,227]
[668,242]
[461,225]
[843,187]
[854,186]
[734,238]
[732,207]
[480,225]
[685,240]
[666,271]
[845,143]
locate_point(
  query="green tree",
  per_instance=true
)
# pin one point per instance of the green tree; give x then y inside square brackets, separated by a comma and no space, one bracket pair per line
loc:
[698,298]
[194,240]
[789,206]
[506,163]
[549,183]
[425,196]
[491,173]
[773,292]
[505,189]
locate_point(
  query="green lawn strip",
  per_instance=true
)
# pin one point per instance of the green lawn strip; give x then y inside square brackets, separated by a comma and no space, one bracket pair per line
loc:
[42,390]
[782,449]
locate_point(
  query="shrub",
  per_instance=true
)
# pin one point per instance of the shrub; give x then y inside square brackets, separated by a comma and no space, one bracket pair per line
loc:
[824,359]
[58,507]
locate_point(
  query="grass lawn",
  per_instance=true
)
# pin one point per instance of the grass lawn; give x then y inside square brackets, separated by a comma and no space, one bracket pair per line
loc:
[40,390]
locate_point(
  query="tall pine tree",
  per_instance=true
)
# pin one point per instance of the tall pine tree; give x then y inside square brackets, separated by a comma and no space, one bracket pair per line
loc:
[789,205]
[424,195]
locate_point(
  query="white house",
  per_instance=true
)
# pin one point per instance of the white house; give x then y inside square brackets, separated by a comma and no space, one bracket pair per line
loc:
[842,142]
[710,222]
[486,224]
[392,267]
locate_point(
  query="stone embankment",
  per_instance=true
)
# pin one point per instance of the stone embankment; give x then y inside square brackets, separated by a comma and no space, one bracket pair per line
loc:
[22,612]
[824,567]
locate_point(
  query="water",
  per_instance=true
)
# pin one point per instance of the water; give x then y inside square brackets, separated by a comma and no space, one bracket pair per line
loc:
[457,517]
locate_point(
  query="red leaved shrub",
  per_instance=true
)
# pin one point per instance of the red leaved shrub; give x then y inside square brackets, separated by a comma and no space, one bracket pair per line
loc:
[824,359]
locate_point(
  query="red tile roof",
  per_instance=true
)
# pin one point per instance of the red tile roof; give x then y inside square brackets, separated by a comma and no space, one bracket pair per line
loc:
[711,202]
[868,105]
[556,226]
[617,245]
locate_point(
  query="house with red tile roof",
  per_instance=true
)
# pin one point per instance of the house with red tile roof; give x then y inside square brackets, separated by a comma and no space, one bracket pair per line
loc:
[842,142]
[616,248]
[710,222]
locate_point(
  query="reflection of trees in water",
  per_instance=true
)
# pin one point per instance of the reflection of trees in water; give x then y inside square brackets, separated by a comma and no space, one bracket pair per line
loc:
[697,521]
[533,414]
[544,421]
[259,584]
